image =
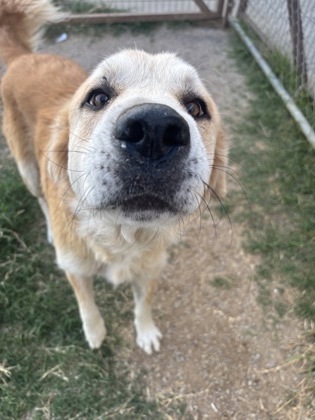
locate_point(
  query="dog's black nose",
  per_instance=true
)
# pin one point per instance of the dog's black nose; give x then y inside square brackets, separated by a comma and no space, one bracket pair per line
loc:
[153,131]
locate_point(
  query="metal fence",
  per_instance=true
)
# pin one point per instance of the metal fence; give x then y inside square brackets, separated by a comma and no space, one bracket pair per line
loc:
[111,11]
[286,29]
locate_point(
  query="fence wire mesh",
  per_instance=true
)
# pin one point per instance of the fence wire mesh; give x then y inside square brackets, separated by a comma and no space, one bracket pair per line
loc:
[135,6]
[284,32]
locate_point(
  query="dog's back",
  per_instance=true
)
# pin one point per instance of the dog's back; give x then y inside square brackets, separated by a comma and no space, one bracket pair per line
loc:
[34,85]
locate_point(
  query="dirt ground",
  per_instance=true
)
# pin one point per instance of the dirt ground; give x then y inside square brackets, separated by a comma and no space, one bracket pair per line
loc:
[221,354]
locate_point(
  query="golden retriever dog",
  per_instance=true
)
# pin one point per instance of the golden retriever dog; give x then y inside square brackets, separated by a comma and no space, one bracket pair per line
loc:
[119,159]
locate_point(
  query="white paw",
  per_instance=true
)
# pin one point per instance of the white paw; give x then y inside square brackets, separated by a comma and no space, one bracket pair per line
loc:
[148,338]
[95,332]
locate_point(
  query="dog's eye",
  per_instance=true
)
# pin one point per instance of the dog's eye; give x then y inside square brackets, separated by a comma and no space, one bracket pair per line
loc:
[98,99]
[195,109]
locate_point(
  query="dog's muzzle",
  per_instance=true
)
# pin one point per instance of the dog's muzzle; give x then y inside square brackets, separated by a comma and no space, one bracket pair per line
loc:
[153,132]
[152,146]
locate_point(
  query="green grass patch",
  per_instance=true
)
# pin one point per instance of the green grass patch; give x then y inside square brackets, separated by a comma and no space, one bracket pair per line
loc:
[46,367]
[86,7]
[278,175]
[287,74]
[222,282]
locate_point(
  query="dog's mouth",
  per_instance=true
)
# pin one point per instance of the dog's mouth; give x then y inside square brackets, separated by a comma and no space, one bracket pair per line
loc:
[147,208]
[146,202]
[144,206]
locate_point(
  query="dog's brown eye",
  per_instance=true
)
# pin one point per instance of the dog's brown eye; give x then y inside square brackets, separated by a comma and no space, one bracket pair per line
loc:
[98,100]
[194,108]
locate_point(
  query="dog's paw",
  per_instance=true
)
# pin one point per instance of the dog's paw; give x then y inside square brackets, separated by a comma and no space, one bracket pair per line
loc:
[95,332]
[148,338]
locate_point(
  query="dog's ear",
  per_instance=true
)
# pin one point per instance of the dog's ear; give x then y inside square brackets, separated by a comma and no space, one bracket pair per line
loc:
[219,168]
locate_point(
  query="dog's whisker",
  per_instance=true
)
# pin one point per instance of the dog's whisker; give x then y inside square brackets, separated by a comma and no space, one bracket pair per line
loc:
[65,193]
[223,208]
[203,200]
[82,200]
[65,168]
[235,178]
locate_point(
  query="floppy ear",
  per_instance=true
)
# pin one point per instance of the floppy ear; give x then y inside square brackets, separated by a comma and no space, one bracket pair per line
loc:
[218,174]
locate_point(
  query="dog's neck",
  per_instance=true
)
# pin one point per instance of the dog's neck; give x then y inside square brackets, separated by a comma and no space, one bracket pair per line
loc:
[112,239]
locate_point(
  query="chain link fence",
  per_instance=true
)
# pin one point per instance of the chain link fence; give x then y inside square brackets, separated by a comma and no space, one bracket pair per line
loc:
[129,10]
[135,6]
[284,31]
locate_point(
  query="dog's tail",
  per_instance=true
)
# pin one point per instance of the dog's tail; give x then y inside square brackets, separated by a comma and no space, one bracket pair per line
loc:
[21,22]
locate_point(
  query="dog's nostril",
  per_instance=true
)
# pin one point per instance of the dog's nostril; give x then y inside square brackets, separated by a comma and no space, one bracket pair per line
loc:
[175,135]
[130,131]
[135,132]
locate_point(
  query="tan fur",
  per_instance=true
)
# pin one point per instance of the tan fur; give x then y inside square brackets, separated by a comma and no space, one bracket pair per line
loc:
[21,22]
[53,137]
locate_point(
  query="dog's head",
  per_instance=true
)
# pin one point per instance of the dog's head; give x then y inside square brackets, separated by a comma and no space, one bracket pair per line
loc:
[145,139]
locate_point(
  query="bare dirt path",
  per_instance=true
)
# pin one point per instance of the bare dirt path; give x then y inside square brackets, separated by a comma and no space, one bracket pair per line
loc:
[222,355]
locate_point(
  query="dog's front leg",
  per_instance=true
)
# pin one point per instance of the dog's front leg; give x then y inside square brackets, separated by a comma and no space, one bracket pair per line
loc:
[93,323]
[148,335]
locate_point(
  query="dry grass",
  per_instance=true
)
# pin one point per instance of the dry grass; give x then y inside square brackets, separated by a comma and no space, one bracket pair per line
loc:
[302,402]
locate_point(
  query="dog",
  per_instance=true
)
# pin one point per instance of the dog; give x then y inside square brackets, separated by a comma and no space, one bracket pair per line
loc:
[119,159]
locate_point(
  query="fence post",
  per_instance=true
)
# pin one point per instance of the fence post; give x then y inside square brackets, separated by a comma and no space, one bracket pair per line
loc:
[228,10]
[242,7]
[296,28]
[202,6]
